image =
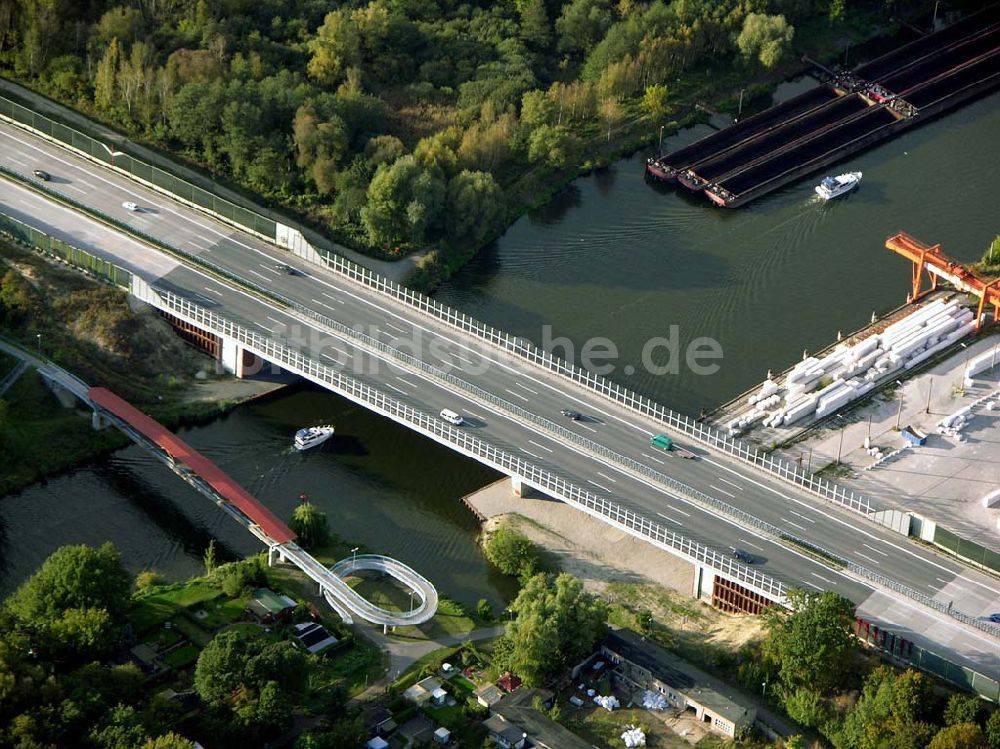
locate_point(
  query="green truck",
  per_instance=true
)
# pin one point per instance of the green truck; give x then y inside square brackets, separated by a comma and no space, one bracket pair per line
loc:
[663,442]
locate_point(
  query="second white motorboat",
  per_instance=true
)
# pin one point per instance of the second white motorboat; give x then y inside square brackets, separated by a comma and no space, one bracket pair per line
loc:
[312,436]
[834,187]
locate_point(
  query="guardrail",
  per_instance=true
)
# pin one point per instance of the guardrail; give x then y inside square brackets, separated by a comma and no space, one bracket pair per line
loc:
[267,227]
[527,351]
[22,232]
[461,440]
[153,176]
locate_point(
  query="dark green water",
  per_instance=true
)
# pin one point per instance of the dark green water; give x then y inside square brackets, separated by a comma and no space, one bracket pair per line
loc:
[611,256]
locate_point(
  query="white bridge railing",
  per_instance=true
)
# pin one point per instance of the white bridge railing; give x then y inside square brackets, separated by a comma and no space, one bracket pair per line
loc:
[504,461]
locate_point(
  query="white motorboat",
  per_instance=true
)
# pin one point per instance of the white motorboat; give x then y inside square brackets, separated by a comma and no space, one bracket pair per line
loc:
[833,187]
[312,436]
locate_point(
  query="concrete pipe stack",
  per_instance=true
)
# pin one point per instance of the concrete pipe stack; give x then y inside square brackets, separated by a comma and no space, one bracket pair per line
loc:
[820,386]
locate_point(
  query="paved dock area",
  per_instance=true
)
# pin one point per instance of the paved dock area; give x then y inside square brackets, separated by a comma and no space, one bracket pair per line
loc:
[944,480]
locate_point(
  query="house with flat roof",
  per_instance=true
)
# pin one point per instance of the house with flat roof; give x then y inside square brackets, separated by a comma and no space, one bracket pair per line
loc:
[516,724]
[641,665]
[314,637]
[488,695]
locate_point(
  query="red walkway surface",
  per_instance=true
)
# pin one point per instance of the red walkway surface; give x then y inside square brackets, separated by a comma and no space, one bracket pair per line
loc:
[183,453]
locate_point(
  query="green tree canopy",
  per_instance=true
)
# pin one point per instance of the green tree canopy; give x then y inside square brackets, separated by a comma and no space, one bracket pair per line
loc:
[557,624]
[962,708]
[582,24]
[476,208]
[992,728]
[765,38]
[512,552]
[809,639]
[405,200]
[74,578]
[235,660]
[959,736]
[310,525]
[654,101]
[890,712]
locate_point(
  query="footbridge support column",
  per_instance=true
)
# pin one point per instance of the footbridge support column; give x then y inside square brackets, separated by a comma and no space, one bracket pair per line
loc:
[275,555]
[99,421]
[516,486]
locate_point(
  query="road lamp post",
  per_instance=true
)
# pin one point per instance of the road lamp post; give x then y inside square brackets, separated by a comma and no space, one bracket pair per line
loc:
[660,147]
[934,20]
[411,600]
[960,385]
[840,448]
[739,109]
[899,413]
[354,556]
[763,690]
[38,338]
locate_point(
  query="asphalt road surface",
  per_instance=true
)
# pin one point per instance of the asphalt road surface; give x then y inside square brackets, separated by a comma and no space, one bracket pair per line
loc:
[267,266]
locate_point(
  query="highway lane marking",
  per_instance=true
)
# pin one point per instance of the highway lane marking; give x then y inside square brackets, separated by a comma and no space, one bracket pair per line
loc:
[811,585]
[731,483]
[328,296]
[262,327]
[525,387]
[685,514]
[373,303]
[751,544]
[406,382]
[942,581]
[477,416]
[214,291]
[870,559]
[272,319]
[261,275]
[528,452]
[390,385]
[613,481]
[74,188]
[875,550]
[728,494]
[338,350]
[803,517]
[858,529]
[657,460]
[331,358]
[831,582]
[541,446]
[599,486]
[459,356]
[796,525]
[517,395]
[670,519]
[584,426]
[396,327]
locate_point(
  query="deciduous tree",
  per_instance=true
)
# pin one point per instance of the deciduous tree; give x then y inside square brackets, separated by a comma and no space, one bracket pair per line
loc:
[310,525]
[810,638]
[765,38]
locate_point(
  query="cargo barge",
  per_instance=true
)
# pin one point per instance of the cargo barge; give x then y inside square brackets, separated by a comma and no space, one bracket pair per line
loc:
[854,111]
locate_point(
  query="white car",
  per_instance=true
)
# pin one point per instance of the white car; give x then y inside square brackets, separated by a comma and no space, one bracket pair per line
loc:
[452,418]
[130,206]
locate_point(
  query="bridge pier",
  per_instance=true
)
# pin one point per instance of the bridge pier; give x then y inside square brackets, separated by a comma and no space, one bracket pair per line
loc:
[516,486]
[704,581]
[98,421]
[275,555]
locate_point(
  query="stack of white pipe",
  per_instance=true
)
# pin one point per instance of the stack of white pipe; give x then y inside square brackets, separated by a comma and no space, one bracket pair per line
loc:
[986,360]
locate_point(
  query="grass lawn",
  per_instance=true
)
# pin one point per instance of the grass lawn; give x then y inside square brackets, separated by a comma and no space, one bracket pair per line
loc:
[182,657]
[164,638]
[192,631]
[161,603]
[354,668]
[221,612]
[463,686]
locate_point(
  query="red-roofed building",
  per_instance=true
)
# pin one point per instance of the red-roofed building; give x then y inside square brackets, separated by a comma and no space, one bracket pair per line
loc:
[508,682]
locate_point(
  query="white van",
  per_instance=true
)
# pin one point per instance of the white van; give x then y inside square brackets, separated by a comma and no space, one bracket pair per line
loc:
[452,418]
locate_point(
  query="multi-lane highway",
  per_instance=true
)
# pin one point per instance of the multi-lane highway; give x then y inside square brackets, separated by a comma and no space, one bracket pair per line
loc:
[520,384]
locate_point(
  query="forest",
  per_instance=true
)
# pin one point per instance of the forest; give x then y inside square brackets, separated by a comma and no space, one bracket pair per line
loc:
[396,125]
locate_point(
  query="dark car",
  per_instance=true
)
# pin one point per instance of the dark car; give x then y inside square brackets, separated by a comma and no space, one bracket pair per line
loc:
[744,556]
[570,414]
[44,176]
[995,618]
[286,268]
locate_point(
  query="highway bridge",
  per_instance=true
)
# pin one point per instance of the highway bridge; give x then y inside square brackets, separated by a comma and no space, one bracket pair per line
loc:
[407,358]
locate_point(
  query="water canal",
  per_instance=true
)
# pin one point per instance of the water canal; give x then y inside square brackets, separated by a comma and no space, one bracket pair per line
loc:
[610,256]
